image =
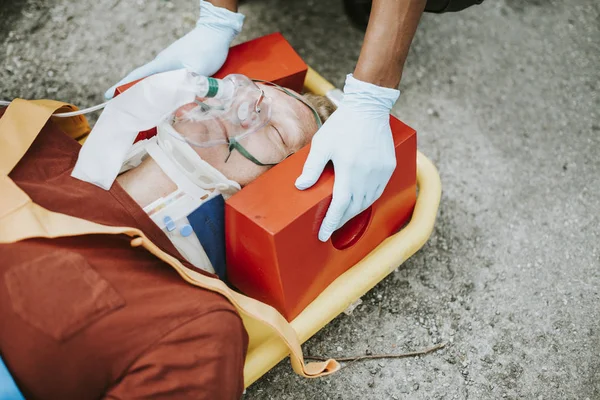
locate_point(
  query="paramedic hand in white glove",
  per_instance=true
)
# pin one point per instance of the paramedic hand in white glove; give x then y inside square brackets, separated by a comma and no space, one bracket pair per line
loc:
[357,138]
[203,50]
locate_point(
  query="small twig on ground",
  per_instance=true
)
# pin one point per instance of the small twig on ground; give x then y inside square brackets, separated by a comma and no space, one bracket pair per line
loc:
[377,356]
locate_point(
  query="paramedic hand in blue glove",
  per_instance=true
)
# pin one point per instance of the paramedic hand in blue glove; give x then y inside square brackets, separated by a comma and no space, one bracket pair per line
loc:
[357,137]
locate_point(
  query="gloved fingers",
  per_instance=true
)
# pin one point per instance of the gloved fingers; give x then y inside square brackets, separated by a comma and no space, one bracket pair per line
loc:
[372,195]
[378,192]
[313,168]
[341,200]
[355,208]
[380,180]
[153,67]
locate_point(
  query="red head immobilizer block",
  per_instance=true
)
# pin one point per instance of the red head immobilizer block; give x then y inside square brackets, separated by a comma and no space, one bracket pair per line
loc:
[273,253]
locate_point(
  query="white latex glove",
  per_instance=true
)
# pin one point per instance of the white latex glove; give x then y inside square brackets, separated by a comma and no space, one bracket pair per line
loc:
[203,50]
[357,138]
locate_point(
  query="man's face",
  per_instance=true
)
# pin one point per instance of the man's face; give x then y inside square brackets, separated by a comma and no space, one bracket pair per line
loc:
[291,127]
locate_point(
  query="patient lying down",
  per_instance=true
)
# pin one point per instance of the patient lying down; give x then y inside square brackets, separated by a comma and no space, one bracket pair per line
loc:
[90,316]
[294,119]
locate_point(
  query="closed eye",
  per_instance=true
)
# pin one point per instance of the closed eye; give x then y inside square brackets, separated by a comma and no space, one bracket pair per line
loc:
[280,136]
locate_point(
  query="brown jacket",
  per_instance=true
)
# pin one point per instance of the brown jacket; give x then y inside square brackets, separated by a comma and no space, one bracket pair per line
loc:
[92,317]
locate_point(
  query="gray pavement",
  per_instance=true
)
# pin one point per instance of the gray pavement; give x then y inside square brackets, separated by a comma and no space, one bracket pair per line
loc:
[505,97]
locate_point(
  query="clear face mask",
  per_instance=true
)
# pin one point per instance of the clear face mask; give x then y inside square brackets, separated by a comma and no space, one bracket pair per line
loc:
[234,113]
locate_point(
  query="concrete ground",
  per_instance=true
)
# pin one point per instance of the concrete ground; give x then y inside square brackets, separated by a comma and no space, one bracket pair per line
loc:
[505,97]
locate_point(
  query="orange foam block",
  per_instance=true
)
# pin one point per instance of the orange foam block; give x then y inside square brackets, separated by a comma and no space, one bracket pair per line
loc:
[268,58]
[273,253]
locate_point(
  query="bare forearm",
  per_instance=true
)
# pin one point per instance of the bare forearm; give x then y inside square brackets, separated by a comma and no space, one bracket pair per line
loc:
[392,26]
[231,5]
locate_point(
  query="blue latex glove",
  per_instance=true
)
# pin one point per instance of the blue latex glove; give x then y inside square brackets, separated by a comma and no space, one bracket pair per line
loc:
[357,138]
[8,388]
[203,50]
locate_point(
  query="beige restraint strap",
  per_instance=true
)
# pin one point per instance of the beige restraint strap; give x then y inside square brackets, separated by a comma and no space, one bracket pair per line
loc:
[21,218]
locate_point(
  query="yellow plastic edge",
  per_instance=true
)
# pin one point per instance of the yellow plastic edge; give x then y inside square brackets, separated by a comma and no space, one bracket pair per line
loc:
[362,277]
[315,83]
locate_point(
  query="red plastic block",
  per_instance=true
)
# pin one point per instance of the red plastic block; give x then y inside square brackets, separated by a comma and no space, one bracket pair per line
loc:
[269,58]
[273,253]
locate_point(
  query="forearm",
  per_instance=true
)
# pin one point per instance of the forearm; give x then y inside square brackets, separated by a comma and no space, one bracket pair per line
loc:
[392,26]
[231,5]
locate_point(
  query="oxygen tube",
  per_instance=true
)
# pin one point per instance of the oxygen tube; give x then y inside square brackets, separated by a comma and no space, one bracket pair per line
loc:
[72,113]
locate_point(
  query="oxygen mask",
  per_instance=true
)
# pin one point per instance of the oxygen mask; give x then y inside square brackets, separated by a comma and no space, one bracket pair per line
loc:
[232,112]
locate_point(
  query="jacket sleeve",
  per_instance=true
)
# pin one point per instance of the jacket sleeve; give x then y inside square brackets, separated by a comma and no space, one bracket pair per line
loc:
[202,359]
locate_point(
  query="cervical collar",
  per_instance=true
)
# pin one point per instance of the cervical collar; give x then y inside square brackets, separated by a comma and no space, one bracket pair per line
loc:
[191,164]
[195,209]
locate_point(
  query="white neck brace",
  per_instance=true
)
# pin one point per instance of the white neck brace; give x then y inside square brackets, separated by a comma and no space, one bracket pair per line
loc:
[197,181]
[191,165]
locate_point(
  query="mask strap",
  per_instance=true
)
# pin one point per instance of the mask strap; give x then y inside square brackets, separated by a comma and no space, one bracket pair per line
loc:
[299,98]
[235,145]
